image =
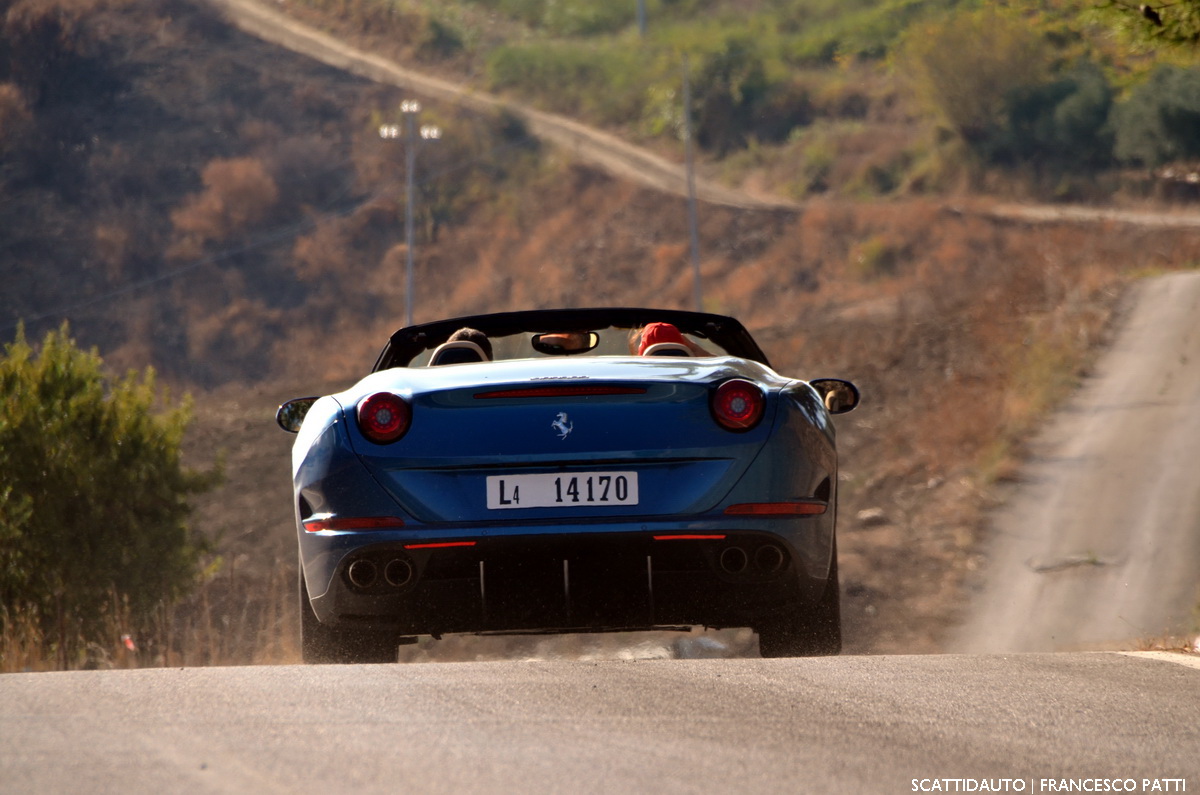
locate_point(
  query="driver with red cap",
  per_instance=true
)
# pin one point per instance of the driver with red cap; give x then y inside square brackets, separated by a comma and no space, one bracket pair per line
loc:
[654,333]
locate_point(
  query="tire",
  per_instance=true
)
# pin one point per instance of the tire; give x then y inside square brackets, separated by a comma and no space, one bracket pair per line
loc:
[817,633]
[321,644]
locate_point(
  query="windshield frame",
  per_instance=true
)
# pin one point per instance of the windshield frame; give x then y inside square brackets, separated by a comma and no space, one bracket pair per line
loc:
[407,344]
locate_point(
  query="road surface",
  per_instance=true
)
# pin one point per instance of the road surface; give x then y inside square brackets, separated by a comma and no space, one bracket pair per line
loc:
[843,724]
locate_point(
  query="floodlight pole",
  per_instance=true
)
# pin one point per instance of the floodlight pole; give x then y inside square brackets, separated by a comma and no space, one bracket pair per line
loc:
[410,154]
[409,108]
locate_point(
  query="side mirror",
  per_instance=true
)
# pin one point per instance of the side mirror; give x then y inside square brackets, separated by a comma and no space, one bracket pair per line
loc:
[565,343]
[838,396]
[290,415]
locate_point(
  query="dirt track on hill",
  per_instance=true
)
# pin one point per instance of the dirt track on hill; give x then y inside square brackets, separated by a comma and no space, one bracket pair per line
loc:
[587,144]
[604,150]
[1097,547]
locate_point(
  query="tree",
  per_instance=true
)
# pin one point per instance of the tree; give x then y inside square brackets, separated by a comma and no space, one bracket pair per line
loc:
[94,495]
[1158,123]
[965,68]
[1173,24]
[1061,124]
[728,92]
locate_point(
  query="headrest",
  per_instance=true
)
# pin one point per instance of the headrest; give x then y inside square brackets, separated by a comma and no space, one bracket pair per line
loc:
[666,349]
[457,352]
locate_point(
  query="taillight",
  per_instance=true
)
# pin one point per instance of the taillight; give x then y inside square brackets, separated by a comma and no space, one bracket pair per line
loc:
[315,525]
[798,508]
[738,405]
[384,417]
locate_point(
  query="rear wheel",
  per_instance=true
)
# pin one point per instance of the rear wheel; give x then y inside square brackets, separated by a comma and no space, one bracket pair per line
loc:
[320,643]
[817,633]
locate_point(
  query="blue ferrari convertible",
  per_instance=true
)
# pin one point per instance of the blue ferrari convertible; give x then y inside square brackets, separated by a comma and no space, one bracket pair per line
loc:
[583,470]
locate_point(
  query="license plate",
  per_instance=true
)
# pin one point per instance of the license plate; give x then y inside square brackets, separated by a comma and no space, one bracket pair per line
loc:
[562,490]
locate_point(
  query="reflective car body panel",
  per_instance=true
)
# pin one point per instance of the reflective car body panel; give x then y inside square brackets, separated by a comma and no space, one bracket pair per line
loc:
[640,508]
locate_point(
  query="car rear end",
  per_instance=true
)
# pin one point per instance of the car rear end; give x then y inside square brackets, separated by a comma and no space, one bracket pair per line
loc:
[558,495]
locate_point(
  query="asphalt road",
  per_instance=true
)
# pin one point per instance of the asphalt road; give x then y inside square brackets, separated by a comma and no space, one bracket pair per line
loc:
[1099,546]
[846,724]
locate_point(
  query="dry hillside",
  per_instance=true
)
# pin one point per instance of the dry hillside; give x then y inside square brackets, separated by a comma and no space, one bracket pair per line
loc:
[960,329]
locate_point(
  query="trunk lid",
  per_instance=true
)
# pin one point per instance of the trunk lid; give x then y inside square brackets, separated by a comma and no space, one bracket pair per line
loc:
[574,434]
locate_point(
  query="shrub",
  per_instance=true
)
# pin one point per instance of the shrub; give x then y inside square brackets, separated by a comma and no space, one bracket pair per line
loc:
[587,17]
[527,67]
[1062,123]
[869,31]
[604,82]
[1158,123]
[730,88]
[15,118]
[238,192]
[874,258]
[965,68]
[94,503]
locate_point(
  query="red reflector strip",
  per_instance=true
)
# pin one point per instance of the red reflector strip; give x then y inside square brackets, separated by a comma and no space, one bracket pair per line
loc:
[561,391]
[353,523]
[441,545]
[690,537]
[811,508]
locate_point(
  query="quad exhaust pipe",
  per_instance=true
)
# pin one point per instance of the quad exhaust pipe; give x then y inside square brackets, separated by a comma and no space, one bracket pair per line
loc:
[734,560]
[398,572]
[767,559]
[364,573]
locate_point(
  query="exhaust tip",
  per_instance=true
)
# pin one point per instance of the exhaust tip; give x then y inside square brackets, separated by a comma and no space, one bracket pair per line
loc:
[398,572]
[734,560]
[362,573]
[769,558]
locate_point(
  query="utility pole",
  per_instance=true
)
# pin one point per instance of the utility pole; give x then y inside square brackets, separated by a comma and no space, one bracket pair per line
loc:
[409,108]
[689,158]
[641,18]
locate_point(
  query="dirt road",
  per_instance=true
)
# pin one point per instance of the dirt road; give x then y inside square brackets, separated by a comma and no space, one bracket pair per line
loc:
[603,150]
[1100,542]
[587,144]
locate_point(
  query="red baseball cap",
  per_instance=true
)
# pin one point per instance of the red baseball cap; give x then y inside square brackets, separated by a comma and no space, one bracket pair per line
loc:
[655,333]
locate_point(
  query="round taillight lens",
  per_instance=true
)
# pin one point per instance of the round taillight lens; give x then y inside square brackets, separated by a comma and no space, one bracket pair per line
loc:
[738,405]
[384,417]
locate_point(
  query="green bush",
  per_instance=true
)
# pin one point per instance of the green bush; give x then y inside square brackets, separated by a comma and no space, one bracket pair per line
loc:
[605,82]
[528,11]
[588,17]
[93,508]
[965,67]
[1062,123]
[1158,123]
[728,92]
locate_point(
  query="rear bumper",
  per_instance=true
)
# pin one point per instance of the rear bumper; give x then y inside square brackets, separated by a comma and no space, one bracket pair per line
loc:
[611,577]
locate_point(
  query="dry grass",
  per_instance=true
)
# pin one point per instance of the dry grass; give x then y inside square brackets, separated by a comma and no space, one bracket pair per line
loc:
[225,622]
[1183,644]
